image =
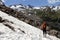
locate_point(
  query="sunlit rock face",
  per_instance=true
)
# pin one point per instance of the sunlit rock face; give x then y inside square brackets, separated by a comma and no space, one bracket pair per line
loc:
[13,29]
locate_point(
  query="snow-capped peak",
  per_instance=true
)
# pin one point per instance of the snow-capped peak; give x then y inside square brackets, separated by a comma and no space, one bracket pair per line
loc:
[36,8]
[17,6]
[1,2]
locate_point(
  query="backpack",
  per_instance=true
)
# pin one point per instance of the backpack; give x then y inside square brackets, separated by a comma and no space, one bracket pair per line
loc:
[43,26]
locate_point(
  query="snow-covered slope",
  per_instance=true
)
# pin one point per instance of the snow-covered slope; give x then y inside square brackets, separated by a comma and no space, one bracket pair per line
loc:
[22,30]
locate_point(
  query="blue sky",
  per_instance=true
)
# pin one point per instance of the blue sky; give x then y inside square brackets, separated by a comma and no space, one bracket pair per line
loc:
[32,2]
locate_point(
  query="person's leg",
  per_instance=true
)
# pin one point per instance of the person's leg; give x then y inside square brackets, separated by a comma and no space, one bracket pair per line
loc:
[44,33]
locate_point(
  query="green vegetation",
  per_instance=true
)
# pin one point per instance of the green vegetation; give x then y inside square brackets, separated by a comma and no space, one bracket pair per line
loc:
[48,13]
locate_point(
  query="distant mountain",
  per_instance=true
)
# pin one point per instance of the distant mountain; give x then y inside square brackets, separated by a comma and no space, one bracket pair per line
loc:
[1,3]
[56,8]
[20,7]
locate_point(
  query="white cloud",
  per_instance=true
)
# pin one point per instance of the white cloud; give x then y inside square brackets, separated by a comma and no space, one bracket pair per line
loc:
[3,0]
[53,1]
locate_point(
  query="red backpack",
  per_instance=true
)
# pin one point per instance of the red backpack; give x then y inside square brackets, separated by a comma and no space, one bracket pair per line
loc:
[43,26]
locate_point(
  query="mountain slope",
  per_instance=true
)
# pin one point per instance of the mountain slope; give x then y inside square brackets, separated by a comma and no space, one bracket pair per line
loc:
[22,30]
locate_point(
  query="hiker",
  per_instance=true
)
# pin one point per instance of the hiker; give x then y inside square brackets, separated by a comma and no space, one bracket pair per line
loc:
[43,27]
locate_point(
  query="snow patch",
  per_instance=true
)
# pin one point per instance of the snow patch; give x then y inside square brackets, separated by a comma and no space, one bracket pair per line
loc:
[31,33]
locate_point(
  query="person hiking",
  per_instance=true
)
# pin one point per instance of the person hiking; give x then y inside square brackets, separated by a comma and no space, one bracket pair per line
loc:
[43,27]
